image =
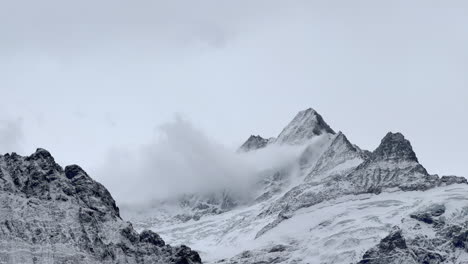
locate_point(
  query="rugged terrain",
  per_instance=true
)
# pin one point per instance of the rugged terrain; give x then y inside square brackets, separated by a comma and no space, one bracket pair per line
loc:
[50,214]
[336,203]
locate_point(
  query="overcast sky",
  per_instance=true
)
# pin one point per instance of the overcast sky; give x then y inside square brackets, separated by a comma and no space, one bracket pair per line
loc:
[83,78]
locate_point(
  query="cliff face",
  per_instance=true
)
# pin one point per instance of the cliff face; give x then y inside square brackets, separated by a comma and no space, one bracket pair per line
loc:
[53,215]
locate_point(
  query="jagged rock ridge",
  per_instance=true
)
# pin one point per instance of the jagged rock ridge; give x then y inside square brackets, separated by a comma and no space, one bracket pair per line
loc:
[253,143]
[392,165]
[53,215]
[305,125]
[332,174]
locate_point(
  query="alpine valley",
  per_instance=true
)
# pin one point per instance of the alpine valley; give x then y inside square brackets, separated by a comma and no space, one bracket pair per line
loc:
[332,202]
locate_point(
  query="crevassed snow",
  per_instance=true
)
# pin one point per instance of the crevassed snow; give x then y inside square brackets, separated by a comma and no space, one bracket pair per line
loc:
[335,231]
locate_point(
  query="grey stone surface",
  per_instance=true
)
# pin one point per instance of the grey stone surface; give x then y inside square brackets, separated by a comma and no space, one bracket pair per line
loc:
[54,215]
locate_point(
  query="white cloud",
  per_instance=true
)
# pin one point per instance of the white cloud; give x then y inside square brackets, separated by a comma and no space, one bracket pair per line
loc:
[184,160]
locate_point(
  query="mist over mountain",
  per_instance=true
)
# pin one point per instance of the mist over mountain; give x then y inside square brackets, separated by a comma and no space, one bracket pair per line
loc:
[308,195]
[311,132]
[183,160]
[323,200]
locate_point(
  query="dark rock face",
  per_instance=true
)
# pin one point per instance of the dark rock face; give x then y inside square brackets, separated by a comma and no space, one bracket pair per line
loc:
[86,188]
[148,236]
[54,215]
[184,255]
[392,165]
[394,146]
[254,143]
[277,248]
[429,215]
[393,241]
[460,239]
[448,244]
[448,180]
[388,250]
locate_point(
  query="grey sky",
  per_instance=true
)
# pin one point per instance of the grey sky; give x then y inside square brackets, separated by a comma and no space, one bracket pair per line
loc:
[86,77]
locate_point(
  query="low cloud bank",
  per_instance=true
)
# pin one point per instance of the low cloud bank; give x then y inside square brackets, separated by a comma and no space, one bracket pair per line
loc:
[183,160]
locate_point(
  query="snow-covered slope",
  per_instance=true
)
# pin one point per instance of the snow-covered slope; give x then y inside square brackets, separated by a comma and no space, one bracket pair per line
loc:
[336,231]
[53,215]
[306,125]
[336,203]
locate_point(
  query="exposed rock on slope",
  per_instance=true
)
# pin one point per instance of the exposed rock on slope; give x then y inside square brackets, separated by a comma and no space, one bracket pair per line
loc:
[306,125]
[253,143]
[392,165]
[340,156]
[54,215]
[335,204]
[428,237]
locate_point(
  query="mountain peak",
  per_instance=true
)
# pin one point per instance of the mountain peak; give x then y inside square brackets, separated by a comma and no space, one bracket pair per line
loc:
[342,139]
[44,159]
[395,146]
[253,143]
[42,153]
[305,125]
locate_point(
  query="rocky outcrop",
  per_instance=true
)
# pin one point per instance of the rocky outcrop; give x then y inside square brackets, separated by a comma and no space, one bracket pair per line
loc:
[429,215]
[443,239]
[392,165]
[340,157]
[330,204]
[448,180]
[305,125]
[394,146]
[254,143]
[53,215]
[393,247]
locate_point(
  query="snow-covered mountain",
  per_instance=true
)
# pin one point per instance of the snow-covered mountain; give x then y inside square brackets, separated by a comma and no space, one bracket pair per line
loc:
[336,203]
[53,215]
[306,125]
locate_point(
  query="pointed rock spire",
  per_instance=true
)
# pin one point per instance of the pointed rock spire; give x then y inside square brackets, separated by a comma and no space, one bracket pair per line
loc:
[44,159]
[394,146]
[304,126]
[342,141]
[253,143]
